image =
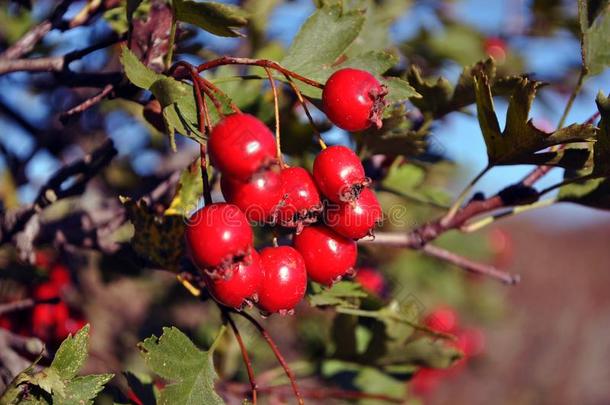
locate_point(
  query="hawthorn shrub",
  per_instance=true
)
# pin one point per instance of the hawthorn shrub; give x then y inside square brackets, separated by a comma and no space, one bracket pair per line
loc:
[270,223]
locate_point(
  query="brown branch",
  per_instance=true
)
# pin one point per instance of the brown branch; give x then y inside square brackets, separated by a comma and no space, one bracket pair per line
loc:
[276,352]
[81,171]
[54,63]
[88,103]
[244,353]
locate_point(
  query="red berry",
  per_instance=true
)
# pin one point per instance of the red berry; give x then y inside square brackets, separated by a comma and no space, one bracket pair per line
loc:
[371,280]
[443,320]
[353,99]
[218,236]
[241,145]
[339,174]
[301,203]
[258,198]
[60,275]
[328,256]
[356,219]
[426,380]
[471,342]
[242,285]
[285,279]
[496,48]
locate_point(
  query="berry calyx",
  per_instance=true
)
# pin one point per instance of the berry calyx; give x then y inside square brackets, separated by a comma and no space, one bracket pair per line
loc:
[240,145]
[356,219]
[353,99]
[218,236]
[301,205]
[258,198]
[284,280]
[339,174]
[328,256]
[241,287]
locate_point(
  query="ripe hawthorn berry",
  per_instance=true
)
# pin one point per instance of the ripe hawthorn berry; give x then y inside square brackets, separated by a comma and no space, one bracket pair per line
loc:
[218,236]
[258,198]
[301,204]
[241,145]
[328,256]
[353,99]
[241,287]
[284,280]
[339,174]
[371,280]
[443,319]
[355,219]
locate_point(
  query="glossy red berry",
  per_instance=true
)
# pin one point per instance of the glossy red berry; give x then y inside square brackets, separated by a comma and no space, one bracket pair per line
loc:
[241,145]
[242,285]
[218,236]
[285,279]
[371,280]
[328,256]
[301,204]
[258,198]
[443,319]
[353,99]
[496,48]
[339,174]
[357,219]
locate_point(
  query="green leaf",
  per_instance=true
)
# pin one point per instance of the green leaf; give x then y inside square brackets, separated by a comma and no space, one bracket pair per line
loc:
[374,381]
[594,18]
[593,193]
[82,390]
[72,354]
[322,39]
[341,294]
[399,319]
[169,91]
[136,71]
[217,18]
[426,352]
[601,149]
[188,192]
[159,239]
[520,140]
[50,381]
[399,90]
[174,357]
[403,176]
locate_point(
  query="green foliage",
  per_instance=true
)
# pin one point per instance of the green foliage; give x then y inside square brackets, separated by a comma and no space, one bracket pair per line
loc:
[174,357]
[344,294]
[217,18]
[59,384]
[188,192]
[520,139]
[320,45]
[594,19]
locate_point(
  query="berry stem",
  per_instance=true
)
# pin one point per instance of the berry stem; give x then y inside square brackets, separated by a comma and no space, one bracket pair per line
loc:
[244,352]
[455,207]
[276,352]
[276,107]
[217,90]
[203,120]
[264,63]
[299,95]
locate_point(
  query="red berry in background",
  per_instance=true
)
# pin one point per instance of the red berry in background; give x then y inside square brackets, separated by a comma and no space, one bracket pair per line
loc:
[60,275]
[302,202]
[284,281]
[258,198]
[353,99]
[328,256]
[357,219]
[243,285]
[218,236]
[339,174]
[443,320]
[44,316]
[240,145]
[471,342]
[501,247]
[371,280]
[426,380]
[496,48]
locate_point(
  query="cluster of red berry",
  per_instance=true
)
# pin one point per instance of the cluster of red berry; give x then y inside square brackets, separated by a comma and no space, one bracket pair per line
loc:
[470,341]
[328,210]
[51,319]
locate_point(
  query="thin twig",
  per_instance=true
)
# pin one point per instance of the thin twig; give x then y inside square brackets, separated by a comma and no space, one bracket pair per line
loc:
[244,353]
[568,107]
[276,109]
[276,352]
[316,131]
[88,103]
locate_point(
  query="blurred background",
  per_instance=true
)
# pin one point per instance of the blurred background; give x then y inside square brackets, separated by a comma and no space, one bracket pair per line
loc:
[544,340]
